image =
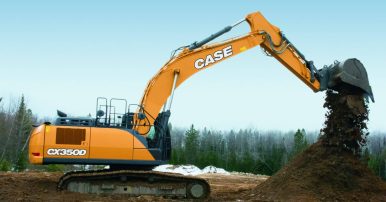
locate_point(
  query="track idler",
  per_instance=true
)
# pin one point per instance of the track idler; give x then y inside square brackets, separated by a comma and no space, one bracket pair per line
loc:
[349,75]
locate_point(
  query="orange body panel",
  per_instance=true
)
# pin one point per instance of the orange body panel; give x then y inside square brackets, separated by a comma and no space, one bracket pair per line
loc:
[50,143]
[98,144]
[111,143]
[36,142]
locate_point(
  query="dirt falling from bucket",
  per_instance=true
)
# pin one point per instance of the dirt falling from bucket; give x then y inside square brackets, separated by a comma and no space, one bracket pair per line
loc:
[330,169]
[345,125]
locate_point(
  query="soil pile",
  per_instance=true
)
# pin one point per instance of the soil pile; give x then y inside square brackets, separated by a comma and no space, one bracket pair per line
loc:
[330,170]
[323,174]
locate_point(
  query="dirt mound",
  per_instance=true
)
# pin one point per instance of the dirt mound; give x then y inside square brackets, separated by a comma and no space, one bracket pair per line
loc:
[323,173]
[330,170]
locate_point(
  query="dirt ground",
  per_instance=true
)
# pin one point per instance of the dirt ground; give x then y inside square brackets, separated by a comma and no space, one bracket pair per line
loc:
[41,186]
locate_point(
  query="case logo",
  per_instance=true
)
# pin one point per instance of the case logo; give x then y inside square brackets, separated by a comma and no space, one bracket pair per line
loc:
[217,56]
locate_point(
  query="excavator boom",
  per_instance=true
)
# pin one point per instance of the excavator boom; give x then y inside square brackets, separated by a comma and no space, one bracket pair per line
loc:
[199,56]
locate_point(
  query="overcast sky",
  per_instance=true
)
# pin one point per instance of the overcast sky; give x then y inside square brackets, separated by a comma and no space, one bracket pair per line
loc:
[64,54]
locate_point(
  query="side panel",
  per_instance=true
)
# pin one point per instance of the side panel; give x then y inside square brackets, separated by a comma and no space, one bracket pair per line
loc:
[66,142]
[111,143]
[35,149]
[141,152]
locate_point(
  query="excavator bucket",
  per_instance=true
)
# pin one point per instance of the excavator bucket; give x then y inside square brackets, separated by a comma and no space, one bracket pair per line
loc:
[349,74]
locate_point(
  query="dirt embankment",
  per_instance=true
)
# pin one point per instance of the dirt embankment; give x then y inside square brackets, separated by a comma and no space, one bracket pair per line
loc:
[330,170]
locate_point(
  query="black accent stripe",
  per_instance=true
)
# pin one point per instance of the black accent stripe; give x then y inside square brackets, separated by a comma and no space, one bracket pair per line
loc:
[156,153]
[139,137]
[100,161]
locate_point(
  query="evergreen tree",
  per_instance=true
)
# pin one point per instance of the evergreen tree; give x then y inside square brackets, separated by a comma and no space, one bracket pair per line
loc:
[23,121]
[277,156]
[377,163]
[5,165]
[365,156]
[232,163]
[15,127]
[247,163]
[178,156]
[22,162]
[300,142]
[191,145]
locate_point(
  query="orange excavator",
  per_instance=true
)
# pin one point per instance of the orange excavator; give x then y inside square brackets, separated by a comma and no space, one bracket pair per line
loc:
[134,141]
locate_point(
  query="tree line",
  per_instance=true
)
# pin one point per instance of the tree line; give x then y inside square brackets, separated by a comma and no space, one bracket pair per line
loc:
[16,122]
[259,152]
[248,150]
[252,151]
[375,153]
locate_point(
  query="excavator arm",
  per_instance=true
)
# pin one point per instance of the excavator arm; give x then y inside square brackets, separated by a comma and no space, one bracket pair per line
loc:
[198,56]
